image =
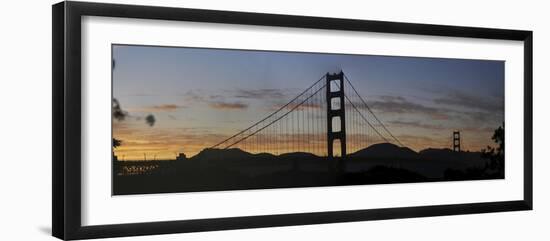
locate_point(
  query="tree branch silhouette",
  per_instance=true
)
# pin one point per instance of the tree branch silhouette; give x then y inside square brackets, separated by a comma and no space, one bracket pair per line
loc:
[495,155]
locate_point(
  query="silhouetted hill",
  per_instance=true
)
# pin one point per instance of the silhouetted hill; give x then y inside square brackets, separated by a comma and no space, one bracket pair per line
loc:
[386,151]
[435,151]
[381,151]
[223,154]
[390,151]
[449,155]
[298,155]
[236,154]
[235,169]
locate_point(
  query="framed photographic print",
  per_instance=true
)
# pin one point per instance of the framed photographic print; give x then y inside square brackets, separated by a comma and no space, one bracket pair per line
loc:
[171,120]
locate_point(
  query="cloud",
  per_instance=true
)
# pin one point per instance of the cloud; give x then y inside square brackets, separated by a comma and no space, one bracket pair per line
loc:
[400,105]
[214,100]
[260,94]
[166,107]
[478,109]
[392,98]
[196,95]
[478,116]
[227,105]
[303,106]
[158,108]
[479,129]
[484,103]
[417,124]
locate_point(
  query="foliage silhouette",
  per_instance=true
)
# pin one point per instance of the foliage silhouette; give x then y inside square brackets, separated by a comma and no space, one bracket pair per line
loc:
[116,143]
[118,113]
[150,120]
[496,155]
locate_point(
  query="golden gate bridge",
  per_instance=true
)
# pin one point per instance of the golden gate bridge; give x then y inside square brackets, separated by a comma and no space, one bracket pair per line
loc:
[324,120]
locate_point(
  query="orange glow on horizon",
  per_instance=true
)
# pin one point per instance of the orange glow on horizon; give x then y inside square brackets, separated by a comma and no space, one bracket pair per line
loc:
[168,147]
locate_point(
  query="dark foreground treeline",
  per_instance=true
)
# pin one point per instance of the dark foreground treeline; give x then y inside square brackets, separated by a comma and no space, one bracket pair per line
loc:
[234,169]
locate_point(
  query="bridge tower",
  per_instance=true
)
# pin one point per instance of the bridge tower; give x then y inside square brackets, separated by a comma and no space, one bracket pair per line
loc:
[336,113]
[456,141]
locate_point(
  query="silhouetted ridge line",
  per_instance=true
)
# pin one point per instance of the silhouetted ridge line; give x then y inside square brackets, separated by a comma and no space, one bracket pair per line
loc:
[386,150]
[379,151]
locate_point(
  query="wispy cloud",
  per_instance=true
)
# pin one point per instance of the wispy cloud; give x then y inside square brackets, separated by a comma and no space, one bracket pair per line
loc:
[483,103]
[215,101]
[227,105]
[400,105]
[158,108]
[295,106]
[417,124]
[480,116]
[451,106]
[438,127]
[194,96]
[167,107]
[260,94]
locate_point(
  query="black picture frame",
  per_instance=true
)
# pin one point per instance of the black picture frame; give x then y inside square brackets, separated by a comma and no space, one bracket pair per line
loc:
[66,127]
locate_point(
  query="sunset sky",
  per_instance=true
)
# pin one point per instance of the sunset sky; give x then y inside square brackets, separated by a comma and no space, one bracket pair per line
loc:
[201,96]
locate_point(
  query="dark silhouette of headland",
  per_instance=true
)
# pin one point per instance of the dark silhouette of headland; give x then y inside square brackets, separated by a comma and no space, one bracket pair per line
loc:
[235,169]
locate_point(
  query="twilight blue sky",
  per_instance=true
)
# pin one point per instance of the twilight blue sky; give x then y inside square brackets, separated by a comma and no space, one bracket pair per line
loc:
[199,96]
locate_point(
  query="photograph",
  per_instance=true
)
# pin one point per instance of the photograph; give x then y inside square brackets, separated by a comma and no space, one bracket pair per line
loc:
[188,119]
[173,118]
